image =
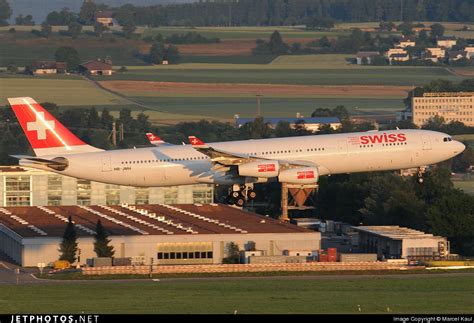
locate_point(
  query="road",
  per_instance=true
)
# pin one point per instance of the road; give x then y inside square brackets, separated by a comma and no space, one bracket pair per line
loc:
[9,275]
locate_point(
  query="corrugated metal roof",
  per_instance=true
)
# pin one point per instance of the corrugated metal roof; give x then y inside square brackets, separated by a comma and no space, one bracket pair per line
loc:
[394,232]
[154,219]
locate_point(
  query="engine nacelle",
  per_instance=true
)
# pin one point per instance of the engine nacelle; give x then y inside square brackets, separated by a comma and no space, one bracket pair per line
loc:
[264,168]
[301,175]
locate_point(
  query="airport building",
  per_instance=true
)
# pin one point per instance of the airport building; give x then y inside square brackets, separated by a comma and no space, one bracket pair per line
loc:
[310,124]
[393,242]
[21,186]
[452,106]
[155,233]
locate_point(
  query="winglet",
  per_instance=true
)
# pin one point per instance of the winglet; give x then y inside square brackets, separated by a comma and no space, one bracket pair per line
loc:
[196,142]
[154,140]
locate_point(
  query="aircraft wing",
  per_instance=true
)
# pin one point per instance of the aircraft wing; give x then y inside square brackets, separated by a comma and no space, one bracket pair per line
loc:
[225,158]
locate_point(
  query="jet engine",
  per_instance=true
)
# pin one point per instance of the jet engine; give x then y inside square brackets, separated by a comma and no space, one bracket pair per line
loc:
[300,175]
[263,168]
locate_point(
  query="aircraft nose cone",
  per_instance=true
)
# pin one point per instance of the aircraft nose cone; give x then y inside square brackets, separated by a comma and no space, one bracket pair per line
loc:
[460,147]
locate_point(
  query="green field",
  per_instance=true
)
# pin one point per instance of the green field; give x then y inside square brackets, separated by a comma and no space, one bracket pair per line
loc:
[423,294]
[466,186]
[246,107]
[317,61]
[21,48]
[286,74]
[62,91]
[242,32]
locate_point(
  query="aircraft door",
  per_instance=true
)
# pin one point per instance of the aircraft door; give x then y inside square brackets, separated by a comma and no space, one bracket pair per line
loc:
[106,164]
[426,142]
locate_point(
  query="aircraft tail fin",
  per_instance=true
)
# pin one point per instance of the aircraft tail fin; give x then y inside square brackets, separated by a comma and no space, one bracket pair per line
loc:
[45,133]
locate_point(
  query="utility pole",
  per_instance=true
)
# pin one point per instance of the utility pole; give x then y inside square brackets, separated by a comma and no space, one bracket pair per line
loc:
[114,134]
[121,136]
[259,112]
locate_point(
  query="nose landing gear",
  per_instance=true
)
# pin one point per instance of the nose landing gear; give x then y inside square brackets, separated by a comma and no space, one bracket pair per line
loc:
[419,174]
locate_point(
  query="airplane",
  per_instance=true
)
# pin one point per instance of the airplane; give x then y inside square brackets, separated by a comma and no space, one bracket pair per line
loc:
[241,164]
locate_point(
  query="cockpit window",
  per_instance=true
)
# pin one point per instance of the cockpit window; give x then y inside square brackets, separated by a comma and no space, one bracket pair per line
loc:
[446,139]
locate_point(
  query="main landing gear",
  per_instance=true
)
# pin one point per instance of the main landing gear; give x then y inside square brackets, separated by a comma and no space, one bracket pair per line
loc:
[419,174]
[239,194]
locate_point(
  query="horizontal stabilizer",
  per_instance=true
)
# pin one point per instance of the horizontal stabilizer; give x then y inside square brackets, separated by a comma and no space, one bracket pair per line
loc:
[58,163]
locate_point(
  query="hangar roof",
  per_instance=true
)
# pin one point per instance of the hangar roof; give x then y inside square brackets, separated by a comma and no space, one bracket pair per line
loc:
[393,232]
[155,219]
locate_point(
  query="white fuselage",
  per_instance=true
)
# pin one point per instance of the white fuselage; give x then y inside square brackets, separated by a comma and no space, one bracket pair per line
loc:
[333,154]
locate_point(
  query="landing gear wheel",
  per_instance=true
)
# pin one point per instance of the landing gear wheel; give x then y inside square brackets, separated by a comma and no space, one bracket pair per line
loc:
[251,194]
[235,194]
[240,201]
[421,171]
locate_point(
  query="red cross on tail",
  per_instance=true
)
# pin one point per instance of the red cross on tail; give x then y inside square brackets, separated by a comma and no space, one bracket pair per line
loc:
[46,135]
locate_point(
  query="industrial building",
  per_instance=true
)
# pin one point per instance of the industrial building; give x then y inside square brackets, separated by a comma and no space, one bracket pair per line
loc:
[158,233]
[393,242]
[21,186]
[310,124]
[452,106]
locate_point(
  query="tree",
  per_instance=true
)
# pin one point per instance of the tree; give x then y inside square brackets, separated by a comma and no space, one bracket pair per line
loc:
[256,130]
[9,142]
[461,163]
[340,112]
[157,52]
[324,42]
[101,242]
[283,129]
[435,123]
[172,54]
[99,29]
[321,113]
[12,69]
[106,119]
[125,118]
[277,46]
[129,28]
[392,200]
[68,246]
[62,18]
[319,22]
[5,12]
[423,37]
[87,13]
[406,28]
[74,29]
[437,30]
[142,123]
[46,30]
[93,119]
[233,256]
[24,20]
[451,216]
[68,55]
